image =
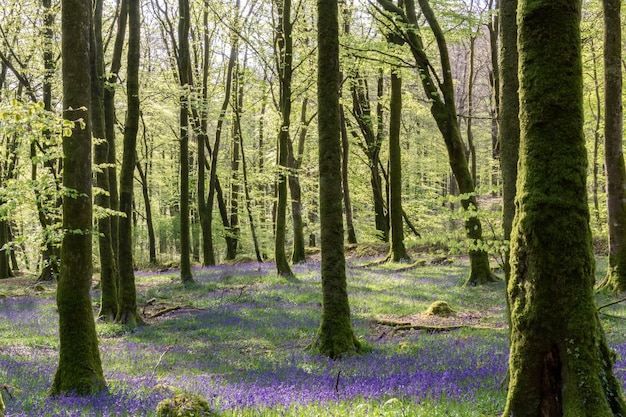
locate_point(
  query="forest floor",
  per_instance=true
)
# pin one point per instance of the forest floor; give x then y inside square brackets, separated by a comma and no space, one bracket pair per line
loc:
[239,338]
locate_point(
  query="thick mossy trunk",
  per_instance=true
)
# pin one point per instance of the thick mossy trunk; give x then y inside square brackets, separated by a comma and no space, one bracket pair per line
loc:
[614,157]
[560,364]
[335,336]
[79,370]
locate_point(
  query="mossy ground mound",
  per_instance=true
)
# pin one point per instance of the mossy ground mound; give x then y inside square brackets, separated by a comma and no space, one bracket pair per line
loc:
[184,405]
[440,308]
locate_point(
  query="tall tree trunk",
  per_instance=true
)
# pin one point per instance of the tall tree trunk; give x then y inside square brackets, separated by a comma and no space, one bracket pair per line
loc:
[560,363]
[110,126]
[597,134]
[443,109]
[371,144]
[295,163]
[345,144]
[184,73]
[46,212]
[493,26]
[214,186]
[470,109]
[397,250]
[79,370]
[613,154]
[335,335]
[236,145]
[108,267]
[285,57]
[246,188]
[128,313]
[143,176]
[345,176]
[508,134]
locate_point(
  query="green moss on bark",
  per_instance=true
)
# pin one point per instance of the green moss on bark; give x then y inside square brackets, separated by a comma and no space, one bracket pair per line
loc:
[560,364]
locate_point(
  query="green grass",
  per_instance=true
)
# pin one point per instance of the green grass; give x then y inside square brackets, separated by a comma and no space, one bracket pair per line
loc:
[240,335]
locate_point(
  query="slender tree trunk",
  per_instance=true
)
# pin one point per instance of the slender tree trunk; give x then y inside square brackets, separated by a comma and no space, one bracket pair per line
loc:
[613,153]
[335,335]
[345,176]
[128,313]
[236,145]
[143,176]
[108,267]
[508,133]
[560,363]
[371,145]
[184,73]
[441,95]
[79,370]
[470,109]
[5,266]
[110,126]
[46,212]
[295,164]
[493,26]
[397,250]
[597,137]
[284,50]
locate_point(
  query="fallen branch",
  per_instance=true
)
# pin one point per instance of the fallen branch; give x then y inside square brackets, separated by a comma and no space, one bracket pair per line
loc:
[164,311]
[612,303]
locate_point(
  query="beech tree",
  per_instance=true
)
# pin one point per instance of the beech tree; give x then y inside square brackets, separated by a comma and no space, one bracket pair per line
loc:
[613,153]
[440,92]
[508,132]
[335,336]
[79,370]
[560,363]
[127,292]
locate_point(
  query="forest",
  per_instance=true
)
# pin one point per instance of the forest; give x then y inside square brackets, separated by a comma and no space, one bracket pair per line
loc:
[299,208]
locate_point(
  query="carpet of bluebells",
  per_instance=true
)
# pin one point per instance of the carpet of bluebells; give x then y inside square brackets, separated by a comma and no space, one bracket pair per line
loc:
[240,341]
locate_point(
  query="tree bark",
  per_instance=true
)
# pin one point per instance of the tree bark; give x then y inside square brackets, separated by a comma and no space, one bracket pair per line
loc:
[397,250]
[335,335]
[508,133]
[371,145]
[294,161]
[108,267]
[184,74]
[128,313]
[560,363]
[80,369]
[613,154]
[441,95]
[284,51]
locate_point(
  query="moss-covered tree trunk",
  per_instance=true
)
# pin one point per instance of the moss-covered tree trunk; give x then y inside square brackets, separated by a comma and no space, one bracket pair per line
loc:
[79,369]
[508,132]
[613,154]
[335,336]
[560,364]
[108,265]
[128,313]
[284,49]
[397,250]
